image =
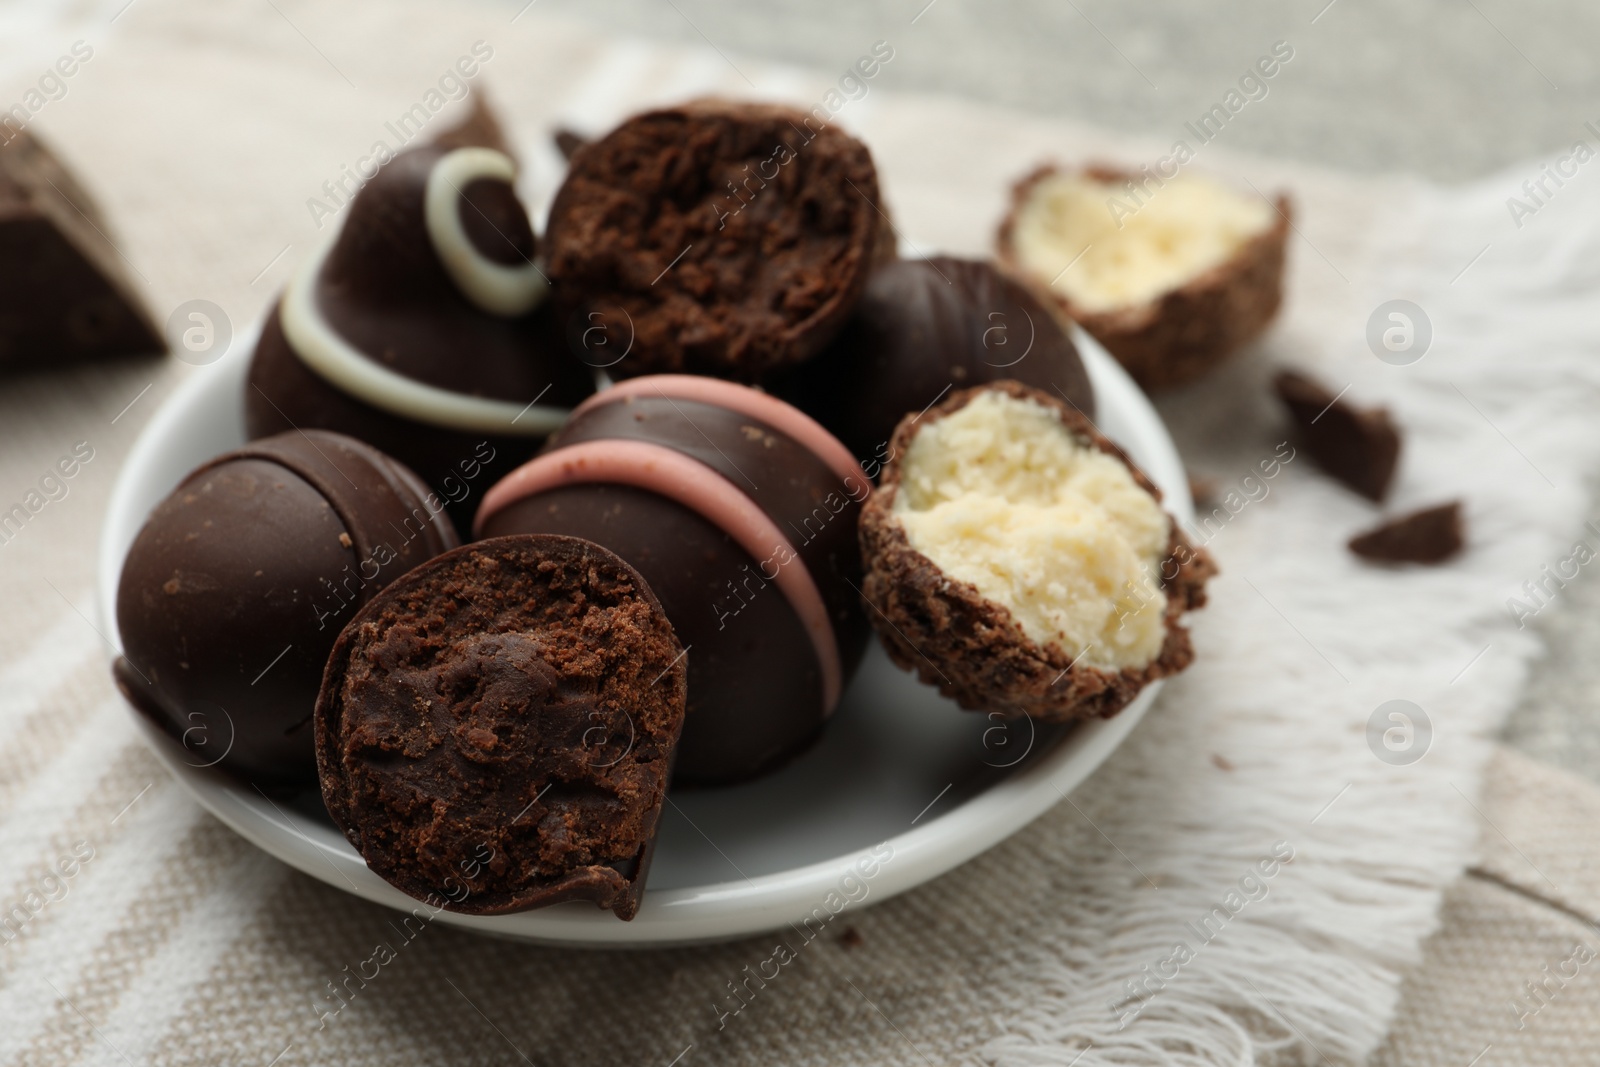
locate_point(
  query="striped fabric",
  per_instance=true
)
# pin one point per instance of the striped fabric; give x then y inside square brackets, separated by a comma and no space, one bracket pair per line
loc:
[135,929]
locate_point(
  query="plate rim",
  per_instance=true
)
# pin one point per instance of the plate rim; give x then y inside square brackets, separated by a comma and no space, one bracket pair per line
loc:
[686,915]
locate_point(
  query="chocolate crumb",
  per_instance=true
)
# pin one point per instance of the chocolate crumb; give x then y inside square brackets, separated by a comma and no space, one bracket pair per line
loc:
[851,938]
[1431,535]
[1358,446]
[1222,762]
[1202,490]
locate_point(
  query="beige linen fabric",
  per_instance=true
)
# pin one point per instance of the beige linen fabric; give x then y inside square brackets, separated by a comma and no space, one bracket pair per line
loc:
[1513,976]
[207,131]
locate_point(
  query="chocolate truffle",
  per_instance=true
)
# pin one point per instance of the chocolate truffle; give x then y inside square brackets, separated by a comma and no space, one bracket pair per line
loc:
[924,327]
[496,728]
[741,513]
[1358,446]
[1431,535]
[423,329]
[1020,562]
[234,590]
[65,291]
[1172,275]
[719,238]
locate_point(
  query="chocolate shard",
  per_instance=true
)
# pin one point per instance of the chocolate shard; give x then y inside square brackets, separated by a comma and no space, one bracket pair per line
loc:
[65,293]
[1358,446]
[568,141]
[481,128]
[1431,535]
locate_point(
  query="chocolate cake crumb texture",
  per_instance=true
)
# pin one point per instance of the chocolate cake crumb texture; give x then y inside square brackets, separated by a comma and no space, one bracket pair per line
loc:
[496,729]
[734,238]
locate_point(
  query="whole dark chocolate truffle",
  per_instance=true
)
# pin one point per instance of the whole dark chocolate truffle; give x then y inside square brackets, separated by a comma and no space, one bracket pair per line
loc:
[423,328]
[496,729]
[234,590]
[741,514]
[923,328]
[718,238]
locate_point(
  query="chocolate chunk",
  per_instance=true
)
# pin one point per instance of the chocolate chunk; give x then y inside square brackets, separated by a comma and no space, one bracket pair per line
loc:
[481,128]
[733,238]
[495,729]
[568,141]
[65,292]
[1431,535]
[1360,447]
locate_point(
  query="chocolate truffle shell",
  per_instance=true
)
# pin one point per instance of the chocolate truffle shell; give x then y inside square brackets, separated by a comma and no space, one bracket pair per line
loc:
[234,590]
[495,730]
[922,328]
[731,238]
[972,648]
[756,695]
[1187,331]
[384,289]
[785,479]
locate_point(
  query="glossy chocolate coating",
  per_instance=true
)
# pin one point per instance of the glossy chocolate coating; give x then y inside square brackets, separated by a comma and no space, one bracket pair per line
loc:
[384,290]
[925,327]
[236,587]
[755,688]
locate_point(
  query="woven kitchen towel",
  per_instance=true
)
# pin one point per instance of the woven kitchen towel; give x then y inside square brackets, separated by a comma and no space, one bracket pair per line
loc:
[209,134]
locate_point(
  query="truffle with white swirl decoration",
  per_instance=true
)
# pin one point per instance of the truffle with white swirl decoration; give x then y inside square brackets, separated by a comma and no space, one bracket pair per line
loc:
[423,329]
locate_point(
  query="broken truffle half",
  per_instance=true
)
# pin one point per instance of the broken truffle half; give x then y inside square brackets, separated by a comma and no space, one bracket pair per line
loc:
[1020,562]
[495,730]
[1172,276]
[1358,446]
[718,238]
[66,294]
[1431,535]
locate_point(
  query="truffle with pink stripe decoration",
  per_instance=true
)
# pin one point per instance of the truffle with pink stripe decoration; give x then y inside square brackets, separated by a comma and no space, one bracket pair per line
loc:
[740,512]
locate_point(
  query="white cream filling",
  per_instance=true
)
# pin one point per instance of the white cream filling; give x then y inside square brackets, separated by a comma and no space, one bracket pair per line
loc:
[507,291]
[1004,497]
[1105,249]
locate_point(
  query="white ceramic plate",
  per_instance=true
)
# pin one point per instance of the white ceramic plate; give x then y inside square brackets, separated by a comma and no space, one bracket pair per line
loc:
[901,772]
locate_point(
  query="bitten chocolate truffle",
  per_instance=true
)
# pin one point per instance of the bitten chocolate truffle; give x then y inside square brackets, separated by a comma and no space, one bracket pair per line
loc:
[496,728]
[718,238]
[234,590]
[740,511]
[1172,275]
[1020,562]
[1358,446]
[923,328]
[423,328]
[65,293]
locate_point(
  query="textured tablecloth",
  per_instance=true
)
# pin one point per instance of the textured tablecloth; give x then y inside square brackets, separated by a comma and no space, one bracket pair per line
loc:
[206,134]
